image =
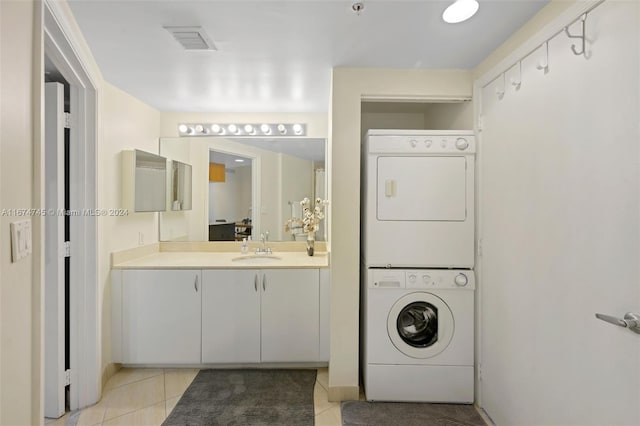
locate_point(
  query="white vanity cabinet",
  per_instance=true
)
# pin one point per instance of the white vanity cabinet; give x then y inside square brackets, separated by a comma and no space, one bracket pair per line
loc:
[290,315]
[230,316]
[220,316]
[269,315]
[160,316]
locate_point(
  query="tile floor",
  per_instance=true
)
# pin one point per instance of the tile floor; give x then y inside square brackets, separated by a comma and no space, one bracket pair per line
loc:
[146,396]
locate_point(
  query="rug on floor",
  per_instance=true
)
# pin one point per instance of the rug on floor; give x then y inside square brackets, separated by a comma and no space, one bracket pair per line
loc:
[247,397]
[357,413]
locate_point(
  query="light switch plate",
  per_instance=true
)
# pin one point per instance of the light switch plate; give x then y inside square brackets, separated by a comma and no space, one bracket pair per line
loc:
[20,239]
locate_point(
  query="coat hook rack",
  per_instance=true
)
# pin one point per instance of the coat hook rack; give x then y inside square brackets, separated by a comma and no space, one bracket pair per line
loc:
[583,20]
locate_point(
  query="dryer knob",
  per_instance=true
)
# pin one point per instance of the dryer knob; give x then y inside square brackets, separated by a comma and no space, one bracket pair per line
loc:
[413,143]
[462,144]
[461,280]
[426,279]
[428,143]
[412,278]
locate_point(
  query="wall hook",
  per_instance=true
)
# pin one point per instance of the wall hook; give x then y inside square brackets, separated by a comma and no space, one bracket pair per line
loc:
[516,81]
[583,19]
[501,89]
[543,62]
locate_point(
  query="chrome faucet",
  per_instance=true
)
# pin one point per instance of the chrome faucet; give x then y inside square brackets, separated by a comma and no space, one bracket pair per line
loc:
[264,238]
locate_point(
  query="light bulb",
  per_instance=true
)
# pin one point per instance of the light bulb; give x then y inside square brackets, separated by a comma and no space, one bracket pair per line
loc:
[297,129]
[215,128]
[199,128]
[460,11]
[248,128]
[232,128]
[266,129]
[282,129]
[183,128]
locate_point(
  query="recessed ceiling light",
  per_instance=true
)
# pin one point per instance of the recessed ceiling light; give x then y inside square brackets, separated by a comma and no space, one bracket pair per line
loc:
[460,11]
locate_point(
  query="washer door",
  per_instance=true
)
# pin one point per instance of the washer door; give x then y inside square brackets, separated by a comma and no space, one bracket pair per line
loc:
[420,325]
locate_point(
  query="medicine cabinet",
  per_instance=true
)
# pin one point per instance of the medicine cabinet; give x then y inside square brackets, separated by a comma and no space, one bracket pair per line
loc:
[144,181]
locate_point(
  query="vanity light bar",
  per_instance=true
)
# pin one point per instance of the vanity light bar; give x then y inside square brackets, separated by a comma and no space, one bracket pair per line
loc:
[243,129]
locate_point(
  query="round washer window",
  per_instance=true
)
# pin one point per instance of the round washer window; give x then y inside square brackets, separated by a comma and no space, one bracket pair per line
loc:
[420,325]
[417,324]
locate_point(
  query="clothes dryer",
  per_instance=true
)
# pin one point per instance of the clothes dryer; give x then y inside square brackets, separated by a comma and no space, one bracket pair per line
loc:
[418,198]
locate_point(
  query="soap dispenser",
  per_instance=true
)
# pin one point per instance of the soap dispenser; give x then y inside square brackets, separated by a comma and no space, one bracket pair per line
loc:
[244,248]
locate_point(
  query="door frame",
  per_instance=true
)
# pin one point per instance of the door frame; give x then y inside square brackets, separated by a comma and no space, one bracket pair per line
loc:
[64,45]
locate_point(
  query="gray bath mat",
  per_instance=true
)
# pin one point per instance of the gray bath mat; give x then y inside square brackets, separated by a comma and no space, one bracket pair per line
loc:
[247,397]
[357,413]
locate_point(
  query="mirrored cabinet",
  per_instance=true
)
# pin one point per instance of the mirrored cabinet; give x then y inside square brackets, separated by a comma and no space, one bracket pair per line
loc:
[144,181]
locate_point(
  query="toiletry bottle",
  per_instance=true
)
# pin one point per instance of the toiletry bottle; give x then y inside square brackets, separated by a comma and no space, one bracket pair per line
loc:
[244,248]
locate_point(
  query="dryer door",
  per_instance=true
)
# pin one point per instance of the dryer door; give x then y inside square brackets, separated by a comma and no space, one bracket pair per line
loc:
[421,188]
[420,325]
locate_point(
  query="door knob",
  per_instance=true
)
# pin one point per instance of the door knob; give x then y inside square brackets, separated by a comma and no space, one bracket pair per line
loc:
[630,321]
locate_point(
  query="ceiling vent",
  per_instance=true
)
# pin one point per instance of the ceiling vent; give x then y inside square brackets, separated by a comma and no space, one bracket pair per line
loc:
[192,38]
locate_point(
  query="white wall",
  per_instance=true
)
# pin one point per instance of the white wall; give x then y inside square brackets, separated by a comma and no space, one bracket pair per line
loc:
[20,295]
[125,123]
[349,87]
[560,197]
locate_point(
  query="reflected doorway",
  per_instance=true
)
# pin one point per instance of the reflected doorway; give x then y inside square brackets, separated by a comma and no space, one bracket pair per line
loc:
[230,196]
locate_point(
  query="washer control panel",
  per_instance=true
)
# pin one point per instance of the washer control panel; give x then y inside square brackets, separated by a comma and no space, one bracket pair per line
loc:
[421,278]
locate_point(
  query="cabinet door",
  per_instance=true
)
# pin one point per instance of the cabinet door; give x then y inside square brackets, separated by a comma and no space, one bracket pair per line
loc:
[161,316]
[290,315]
[230,316]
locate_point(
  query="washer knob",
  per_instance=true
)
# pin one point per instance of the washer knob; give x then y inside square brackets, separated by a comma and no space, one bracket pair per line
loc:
[462,144]
[428,143]
[426,279]
[412,278]
[461,280]
[413,143]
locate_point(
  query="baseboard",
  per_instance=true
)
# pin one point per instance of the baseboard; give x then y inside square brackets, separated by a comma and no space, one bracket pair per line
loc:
[108,372]
[344,393]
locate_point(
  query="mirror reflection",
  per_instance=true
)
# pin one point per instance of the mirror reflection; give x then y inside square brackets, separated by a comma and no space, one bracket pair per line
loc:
[245,187]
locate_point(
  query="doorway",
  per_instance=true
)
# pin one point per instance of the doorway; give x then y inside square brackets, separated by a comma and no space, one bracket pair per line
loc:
[78,356]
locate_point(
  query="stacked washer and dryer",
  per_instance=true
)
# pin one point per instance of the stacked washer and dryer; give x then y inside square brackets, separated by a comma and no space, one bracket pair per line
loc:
[417,266]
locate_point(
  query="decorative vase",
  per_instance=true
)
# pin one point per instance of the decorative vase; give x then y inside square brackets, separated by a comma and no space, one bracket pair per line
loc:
[310,244]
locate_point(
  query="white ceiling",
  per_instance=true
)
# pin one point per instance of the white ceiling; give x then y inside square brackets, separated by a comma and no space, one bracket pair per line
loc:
[277,56]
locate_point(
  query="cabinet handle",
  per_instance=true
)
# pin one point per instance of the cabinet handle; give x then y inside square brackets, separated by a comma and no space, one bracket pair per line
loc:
[195,284]
[264,282]
[255,282]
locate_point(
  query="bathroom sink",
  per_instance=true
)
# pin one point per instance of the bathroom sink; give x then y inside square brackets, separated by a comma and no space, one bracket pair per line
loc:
[257,259]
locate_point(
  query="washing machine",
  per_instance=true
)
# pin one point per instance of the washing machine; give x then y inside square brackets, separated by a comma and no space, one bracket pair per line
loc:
[418,335]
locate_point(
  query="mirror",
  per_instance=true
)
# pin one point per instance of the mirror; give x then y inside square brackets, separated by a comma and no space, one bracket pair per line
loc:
[180,184]
[245,186]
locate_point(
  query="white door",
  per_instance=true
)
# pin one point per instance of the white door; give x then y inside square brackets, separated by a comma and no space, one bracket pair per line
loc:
[421,188]
[161,320]
[290,315]
[560,228]
[231,316]
[54,360]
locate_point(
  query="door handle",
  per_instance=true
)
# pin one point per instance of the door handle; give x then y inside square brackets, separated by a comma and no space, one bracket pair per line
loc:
[255,282]
[264,282]
[390,188]
[195,284]
[630,321]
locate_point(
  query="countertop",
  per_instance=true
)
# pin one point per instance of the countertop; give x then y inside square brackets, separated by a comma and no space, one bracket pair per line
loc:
[225,260]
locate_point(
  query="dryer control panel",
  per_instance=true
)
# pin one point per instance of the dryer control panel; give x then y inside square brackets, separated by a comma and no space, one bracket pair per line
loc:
[421,278]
